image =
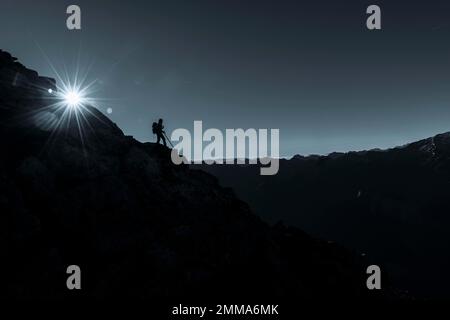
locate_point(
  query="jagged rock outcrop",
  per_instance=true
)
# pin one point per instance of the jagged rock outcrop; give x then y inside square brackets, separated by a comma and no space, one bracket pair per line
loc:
[137,225]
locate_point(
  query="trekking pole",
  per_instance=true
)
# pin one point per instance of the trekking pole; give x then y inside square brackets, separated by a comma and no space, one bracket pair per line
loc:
[165,135]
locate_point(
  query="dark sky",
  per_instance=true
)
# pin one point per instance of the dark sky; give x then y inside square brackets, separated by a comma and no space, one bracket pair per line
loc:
[309,68]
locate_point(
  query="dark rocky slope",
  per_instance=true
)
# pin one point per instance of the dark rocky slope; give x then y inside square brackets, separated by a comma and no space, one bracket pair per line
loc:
[137,225]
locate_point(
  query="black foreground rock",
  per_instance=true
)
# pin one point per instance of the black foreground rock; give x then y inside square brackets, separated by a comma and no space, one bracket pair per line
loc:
[137,225]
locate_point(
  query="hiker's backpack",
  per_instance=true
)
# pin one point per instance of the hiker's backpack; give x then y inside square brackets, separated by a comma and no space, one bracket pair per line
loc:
[154,127]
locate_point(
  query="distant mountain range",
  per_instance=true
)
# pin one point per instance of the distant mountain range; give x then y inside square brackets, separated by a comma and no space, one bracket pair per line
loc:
[392,205]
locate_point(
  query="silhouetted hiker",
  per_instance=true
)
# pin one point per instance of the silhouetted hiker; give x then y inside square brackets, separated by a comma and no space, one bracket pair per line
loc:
[157,129]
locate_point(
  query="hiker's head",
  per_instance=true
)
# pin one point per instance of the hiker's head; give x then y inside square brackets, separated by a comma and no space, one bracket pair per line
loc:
[160,121]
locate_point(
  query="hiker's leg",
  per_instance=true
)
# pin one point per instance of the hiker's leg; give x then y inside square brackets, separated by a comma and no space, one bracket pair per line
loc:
[164,141]
[158,138]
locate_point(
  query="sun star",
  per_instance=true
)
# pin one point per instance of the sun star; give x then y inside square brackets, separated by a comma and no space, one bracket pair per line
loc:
[73,98]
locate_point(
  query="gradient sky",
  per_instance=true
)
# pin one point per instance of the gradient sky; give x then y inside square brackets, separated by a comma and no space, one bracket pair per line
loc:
[309,68]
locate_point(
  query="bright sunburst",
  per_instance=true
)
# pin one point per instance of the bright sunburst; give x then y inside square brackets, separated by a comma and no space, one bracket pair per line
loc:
[73,99]
[74,94]
[71,103]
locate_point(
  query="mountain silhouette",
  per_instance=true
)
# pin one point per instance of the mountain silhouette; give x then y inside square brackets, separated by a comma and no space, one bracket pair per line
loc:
[74,190]
[392,205]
